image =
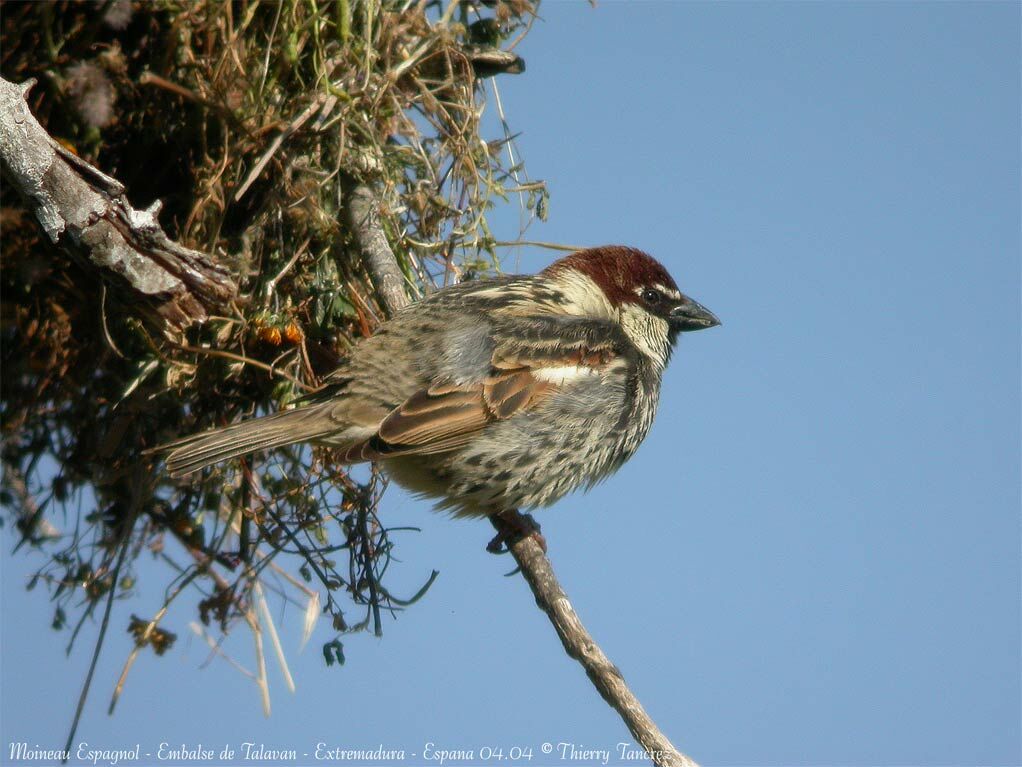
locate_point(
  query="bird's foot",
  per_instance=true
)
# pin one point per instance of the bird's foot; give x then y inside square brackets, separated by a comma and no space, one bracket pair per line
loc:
[512,526]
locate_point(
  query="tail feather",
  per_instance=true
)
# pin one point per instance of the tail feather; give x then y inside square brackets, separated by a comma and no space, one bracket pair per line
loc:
[286,428]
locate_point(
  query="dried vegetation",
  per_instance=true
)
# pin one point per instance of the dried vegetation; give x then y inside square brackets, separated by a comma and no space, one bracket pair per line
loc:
[251,121]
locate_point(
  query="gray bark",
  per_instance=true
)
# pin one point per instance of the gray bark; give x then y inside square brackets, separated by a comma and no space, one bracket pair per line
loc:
[362,210]
[579,643]
[87,213]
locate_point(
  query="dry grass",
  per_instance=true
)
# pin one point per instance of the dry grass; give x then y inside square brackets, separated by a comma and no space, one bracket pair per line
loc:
[247,119]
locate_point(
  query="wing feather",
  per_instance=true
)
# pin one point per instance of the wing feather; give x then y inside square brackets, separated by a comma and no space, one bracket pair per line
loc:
[529,364]
[424,418]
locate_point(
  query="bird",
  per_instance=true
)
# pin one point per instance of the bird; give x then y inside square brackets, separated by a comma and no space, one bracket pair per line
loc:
[495,394]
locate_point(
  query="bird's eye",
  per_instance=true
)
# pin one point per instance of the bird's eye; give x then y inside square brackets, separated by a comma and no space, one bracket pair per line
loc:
[651,296]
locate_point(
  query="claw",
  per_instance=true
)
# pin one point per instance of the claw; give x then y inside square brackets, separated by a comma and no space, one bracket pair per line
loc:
[512,526]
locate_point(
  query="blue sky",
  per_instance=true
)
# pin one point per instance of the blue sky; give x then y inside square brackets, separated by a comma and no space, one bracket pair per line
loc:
[814,559]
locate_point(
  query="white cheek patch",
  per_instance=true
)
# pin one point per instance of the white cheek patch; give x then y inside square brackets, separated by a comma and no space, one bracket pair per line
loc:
[581,296]
[562,375]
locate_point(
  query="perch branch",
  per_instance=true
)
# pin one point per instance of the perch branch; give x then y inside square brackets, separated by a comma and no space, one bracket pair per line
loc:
[605,676]
[87,212]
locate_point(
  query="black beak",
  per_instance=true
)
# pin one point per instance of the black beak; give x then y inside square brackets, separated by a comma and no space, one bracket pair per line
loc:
[691,315]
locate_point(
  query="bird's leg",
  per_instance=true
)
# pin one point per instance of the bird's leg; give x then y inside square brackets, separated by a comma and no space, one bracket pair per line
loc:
[512,526]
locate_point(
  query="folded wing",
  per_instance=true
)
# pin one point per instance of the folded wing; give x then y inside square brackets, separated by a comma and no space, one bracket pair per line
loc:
[530,362]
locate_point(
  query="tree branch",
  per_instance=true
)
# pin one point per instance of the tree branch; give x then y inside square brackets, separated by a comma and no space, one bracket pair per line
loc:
[605,676]
[87,213]
[362,211]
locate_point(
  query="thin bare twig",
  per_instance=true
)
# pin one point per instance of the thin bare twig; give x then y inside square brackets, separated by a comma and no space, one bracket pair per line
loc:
[144,639]
[245,360]
[277,142]
[271,627]
[579,644]
[537,244]
[122,545]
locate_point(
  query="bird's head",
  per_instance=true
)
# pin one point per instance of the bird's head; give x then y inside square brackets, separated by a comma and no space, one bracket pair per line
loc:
[634,289]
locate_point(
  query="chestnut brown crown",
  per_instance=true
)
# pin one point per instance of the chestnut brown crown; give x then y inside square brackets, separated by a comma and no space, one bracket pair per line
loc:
[620,272]
[628,276]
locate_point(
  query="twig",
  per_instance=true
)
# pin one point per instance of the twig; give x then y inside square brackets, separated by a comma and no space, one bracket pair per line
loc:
[246,360]
[366,555]
[260,678]
[148,78]
[536,244]
[578,643]
[264,610]
[201,632]
[277,142]
[272,284]
[106,329]
[142,640]
[101,637]
[33,526]
[411,61]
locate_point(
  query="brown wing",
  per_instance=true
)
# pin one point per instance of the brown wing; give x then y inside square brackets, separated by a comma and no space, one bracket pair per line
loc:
[526,369]
[447,416]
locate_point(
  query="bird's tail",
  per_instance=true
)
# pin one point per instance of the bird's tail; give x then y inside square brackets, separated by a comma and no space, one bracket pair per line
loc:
[285,428]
